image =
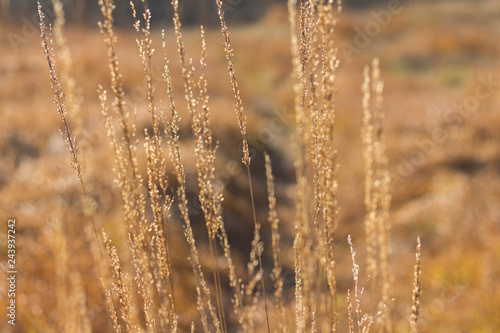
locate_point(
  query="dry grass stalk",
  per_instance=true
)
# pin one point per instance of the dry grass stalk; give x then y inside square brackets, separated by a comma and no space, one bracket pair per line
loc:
[148,244]
[364,322]
[349,312]
[417,290]
[79,318]
[377,196]
[172,132]
[111,307]
[61,99]
[157,184]
[72,99]
[241,117]
[355,274]
[277,270]
[210,196]
[238,106]
[314,57]
[59,95]
[125,148]
[121,287]
[71,298]
[301,207]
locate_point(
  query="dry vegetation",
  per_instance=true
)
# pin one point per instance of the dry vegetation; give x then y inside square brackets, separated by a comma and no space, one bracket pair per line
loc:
[286,176]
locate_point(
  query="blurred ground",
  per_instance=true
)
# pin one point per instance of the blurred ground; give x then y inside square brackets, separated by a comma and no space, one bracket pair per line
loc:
[440,64]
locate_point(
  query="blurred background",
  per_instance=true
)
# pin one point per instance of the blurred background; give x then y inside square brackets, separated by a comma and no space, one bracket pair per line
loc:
[191,11]
[441,68]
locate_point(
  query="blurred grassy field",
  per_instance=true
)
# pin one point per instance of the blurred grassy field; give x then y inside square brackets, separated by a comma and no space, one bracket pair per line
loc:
[441,68]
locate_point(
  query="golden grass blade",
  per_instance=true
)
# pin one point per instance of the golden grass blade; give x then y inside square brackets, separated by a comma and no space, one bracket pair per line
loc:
[377,196]
[241,118]
[349,312]
[70,139]
[201,137]
[417,290]
[277,270]
[120,286]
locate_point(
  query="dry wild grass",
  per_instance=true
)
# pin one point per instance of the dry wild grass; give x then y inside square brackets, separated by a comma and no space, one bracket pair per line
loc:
[144,296]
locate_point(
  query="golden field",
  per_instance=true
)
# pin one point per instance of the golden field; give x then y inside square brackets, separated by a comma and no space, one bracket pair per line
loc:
[440,66]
